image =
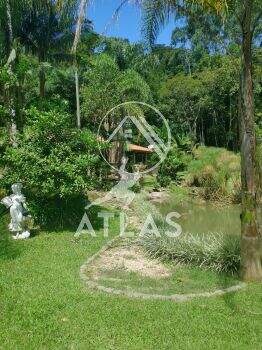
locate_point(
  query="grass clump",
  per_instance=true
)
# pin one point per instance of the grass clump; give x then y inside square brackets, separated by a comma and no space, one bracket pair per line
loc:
[216,172]
[149,183]
[213,251]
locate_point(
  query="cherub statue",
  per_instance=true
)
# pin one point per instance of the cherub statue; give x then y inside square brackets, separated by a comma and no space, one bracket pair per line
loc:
[16,203]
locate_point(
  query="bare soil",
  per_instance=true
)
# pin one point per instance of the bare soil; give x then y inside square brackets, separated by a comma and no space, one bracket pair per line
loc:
[129,259]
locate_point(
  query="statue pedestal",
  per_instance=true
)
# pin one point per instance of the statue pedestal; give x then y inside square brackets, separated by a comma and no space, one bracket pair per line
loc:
[23,235]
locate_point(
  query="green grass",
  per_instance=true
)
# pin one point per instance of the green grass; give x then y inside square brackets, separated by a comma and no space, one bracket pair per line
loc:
[184,280]
[44,305]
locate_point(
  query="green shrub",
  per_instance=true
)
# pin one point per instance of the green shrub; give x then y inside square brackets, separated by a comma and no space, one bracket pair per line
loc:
[182,194]
[175,163]
[54,161]
[216,172]
[213,251]
[149,183]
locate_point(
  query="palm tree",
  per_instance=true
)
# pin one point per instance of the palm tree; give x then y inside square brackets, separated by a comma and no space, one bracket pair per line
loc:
[80,21]
[248,14]
[42,21]
[11,14]
[41,25]
[251,230]
[9,23]
[6,20]
[46,31]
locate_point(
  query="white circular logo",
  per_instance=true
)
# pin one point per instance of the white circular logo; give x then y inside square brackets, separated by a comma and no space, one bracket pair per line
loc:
[136,135]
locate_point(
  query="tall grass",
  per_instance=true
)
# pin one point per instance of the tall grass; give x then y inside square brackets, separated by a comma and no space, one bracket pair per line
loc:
[213,251]
[216,172]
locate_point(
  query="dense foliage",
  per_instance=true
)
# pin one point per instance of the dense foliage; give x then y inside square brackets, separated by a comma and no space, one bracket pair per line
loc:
[193,82]
[56,163]
[53,158]
[106,86]
[216,173]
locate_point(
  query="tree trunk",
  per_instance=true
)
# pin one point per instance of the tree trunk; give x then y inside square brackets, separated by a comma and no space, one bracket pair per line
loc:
[13,129]
[80,20]
[9,25]
[259,187]
[78,114]
[13,126]
[42,81]
[250,244]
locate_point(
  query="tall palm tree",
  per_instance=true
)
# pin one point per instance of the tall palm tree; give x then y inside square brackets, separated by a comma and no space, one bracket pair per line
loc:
[11,14]
[41,25]
[248,13]
[46,30]
[9,23]
[6,21]
[35,36]
[80,21]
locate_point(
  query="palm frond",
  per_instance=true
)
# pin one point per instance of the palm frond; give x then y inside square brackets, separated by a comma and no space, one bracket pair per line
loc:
[155,16]
[157,13]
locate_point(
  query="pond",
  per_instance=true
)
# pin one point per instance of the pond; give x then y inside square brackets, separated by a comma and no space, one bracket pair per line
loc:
[204,217]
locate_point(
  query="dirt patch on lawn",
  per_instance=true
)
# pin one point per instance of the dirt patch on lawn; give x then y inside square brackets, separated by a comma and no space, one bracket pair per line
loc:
[108,271]
[129,259]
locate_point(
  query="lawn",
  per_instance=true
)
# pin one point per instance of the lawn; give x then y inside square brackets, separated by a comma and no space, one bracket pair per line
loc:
[45,305]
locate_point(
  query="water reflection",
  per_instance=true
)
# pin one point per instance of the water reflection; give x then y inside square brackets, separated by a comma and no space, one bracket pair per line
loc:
[205,217]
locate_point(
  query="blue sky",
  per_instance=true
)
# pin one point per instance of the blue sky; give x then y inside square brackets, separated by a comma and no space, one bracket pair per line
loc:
[127,26]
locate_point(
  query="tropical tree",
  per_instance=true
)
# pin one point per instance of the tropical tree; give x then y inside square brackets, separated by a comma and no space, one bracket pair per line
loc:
[39,25]
[80,21]
[126,55]
[9,14]
[248,13]
[9,23]
[46,31]
[106,85]
[204,104]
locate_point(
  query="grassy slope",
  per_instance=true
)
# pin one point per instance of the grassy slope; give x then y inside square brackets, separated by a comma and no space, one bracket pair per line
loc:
[44,305]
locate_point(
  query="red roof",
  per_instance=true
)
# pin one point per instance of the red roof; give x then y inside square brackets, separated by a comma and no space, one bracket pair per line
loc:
[139,149]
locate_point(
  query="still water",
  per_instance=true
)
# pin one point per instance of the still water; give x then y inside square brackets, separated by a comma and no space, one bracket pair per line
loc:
[204,217]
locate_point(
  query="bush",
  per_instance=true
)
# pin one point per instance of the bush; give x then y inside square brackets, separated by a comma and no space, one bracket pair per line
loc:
[217,172]
[173,166]
[214,251]
[54,161]
[149,183]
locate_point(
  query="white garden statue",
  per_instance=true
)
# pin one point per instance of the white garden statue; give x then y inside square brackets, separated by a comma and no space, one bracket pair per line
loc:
[16,203]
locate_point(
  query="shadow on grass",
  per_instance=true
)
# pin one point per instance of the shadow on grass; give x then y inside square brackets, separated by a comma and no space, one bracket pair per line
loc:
[66,217]
[53,215]
[70,220]
[231,252]
[229,298]
[9,250]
